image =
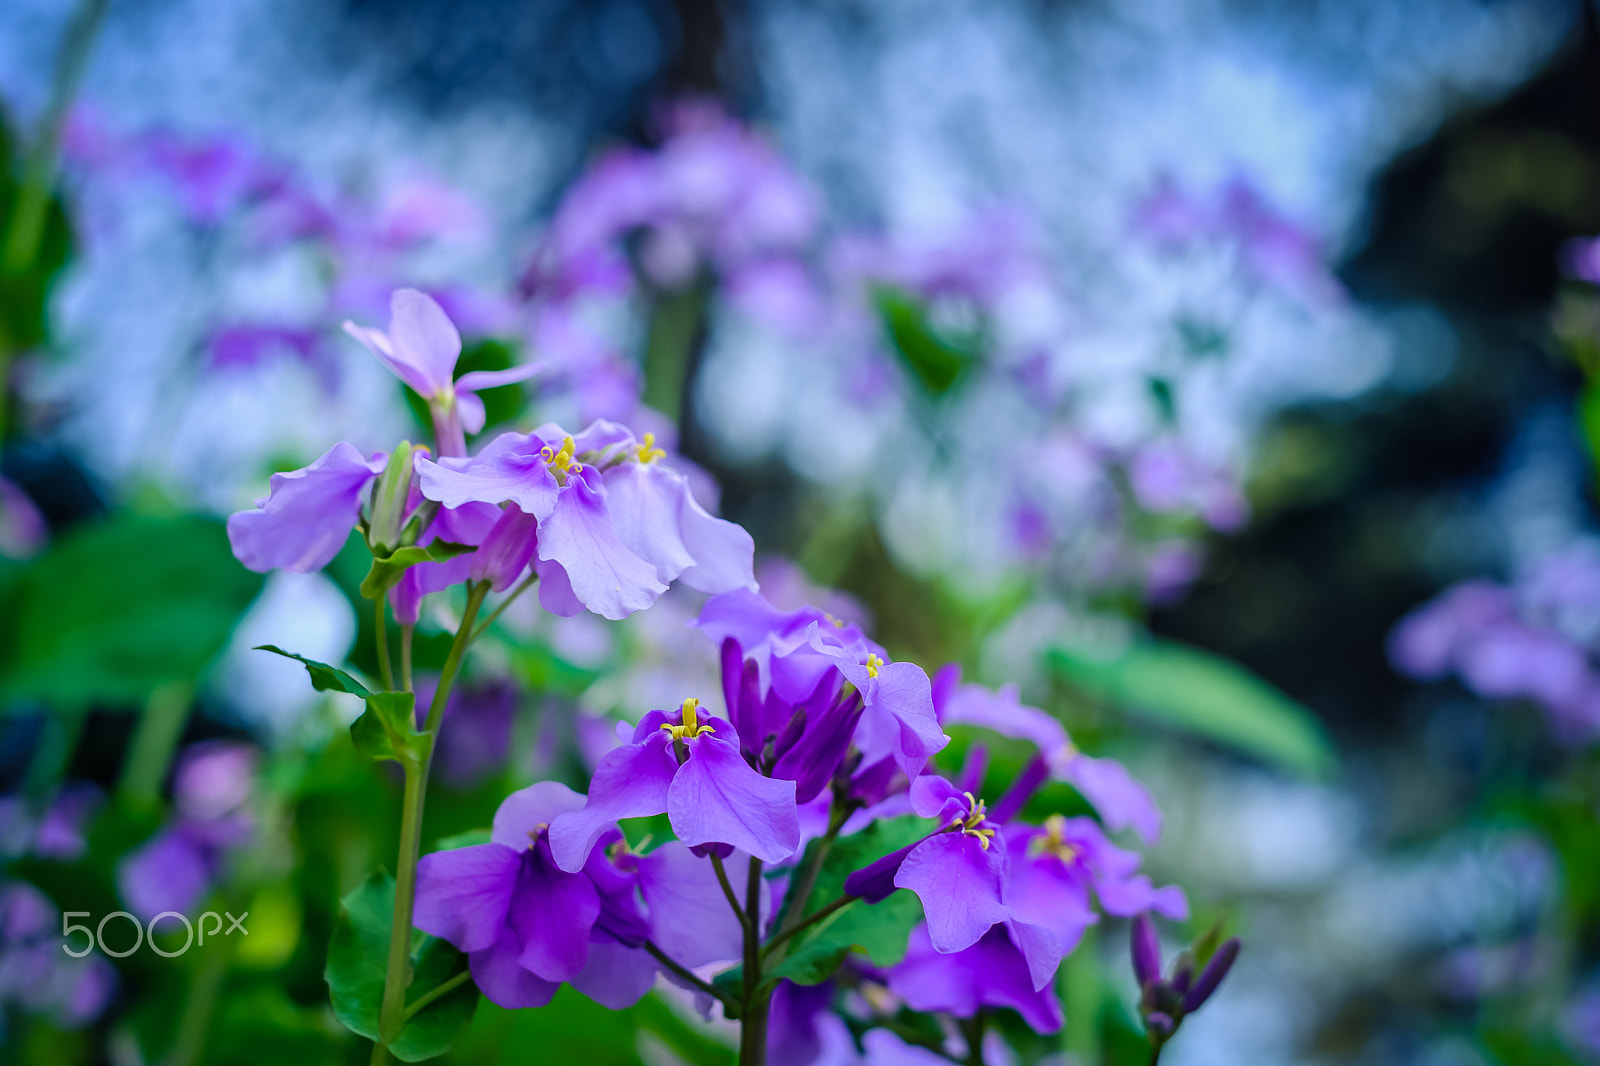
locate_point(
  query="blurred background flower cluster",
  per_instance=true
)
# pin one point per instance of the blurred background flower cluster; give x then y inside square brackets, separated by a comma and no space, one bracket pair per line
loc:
[1225,374]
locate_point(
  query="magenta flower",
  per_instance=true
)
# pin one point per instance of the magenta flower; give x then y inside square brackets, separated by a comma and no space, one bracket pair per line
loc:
[1106,783]
[991,972]
[308,514]
[421,348]
[524,923]
[690,769]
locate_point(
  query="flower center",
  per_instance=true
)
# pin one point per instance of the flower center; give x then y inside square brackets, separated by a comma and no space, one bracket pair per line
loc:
[873,663]
[648,452]
[691,726]
[561,462]
[974,822]
[1054,841]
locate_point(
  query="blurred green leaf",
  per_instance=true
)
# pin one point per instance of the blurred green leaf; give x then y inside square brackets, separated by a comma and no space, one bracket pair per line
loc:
[324,678]
[358,957]
[1207,695]
[938,362]
[25,293]
[114,610]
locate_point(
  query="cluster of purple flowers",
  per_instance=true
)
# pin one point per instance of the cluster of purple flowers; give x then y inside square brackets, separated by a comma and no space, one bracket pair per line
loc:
[1532,640]
[816,720]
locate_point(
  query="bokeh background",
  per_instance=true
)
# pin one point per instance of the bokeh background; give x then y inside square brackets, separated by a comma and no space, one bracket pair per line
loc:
[1159,357]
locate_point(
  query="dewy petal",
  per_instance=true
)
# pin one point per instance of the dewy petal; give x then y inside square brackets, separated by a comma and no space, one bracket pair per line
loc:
[1120,799]
[508,468]
[959,882]
[463,894]
[629,782]
[616,977]
[717,797]
[553,913]
[527,810]
[423,336]
[689,915]
[378,343]
[606,577]
[498,975]
[308,515]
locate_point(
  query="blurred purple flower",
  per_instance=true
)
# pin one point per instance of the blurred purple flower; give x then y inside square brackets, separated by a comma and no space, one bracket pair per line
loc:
[35,974]
[23,531]
[475,735]
[990,973]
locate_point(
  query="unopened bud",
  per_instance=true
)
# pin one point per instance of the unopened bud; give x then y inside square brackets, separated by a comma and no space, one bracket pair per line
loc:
[1159,1025]
[390,495]
[1146,952]
[1211,976]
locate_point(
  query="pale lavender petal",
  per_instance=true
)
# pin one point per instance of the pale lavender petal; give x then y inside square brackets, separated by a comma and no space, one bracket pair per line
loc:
[308,515]
[609,579]
[463,894]
[469,408]
[717,797]
[1041,948]
[903,690]
[644,501]
[523,813]
[1002,712]
[1120,799]
[553,913]
[616,977]
[555,590]
[423,336]
[478,380]
[509,468]
[959,882]
[884,1048]
[499,975]
[630,782]
[506,550]
[723,551]
[1136,895]
[171,872]
[933,796]
[378,343]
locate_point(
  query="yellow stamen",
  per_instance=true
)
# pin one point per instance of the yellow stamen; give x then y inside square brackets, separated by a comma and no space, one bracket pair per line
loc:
[691,726]
[973,822]
[1054,841]
[873,662]
[561,462]
[838,623]
[648,452]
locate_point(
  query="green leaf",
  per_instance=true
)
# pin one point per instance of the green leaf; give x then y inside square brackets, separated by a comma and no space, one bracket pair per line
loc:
[1204,694]
[114,610]
[324,678]
[358,956]
[386,572]
[25,292]
[936,360]
[387,729]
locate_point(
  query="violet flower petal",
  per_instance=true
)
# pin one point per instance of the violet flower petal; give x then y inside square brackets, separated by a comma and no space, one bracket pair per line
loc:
[553,912]
[463,894]
[607,578]
[630,782]
[717,797]
[959,882]
[498,975]
[308,514]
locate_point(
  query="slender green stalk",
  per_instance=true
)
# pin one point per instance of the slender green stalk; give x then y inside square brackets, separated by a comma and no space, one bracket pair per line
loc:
[381,639]
[972,1030]
[1155,1053]
[839,812]
[155,739]
[687,974]
[727,887]
[527,583]
[808,922]
[437,993]
[397,975]
[200,1005]
[406,633]
[753,1017]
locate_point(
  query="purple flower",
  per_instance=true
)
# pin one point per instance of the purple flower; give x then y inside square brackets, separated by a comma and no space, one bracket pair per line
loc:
[23,530]
[691,770]
[1106,783]
[796,652]
[476,732]
[524,923]
[1425,644]
[35,975]
[421,348]
[991,972]
[309,513]
[690,920]
[1053,869]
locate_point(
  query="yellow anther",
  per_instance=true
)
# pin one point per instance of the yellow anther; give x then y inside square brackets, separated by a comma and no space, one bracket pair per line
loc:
[561,462]
[973,823]
[648,452]
[873,663]
[1054,841]
[691,726]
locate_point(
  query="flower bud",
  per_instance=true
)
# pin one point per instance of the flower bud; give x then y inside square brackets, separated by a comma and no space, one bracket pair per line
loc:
[1211,976]
[390,495]
[1146,952]
[507,549]
[1159,1025]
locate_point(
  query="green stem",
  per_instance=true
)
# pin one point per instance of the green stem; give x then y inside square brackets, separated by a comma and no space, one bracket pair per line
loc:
[1155,1052]
[381,639]
[810,920]
[438,992]
[527,583]
[972,1029]
[838,814]
[753,1017]
[199,1007]
[397,975]
[52,756]
[406,633]
[727,888]
[155,739]
[687,974]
